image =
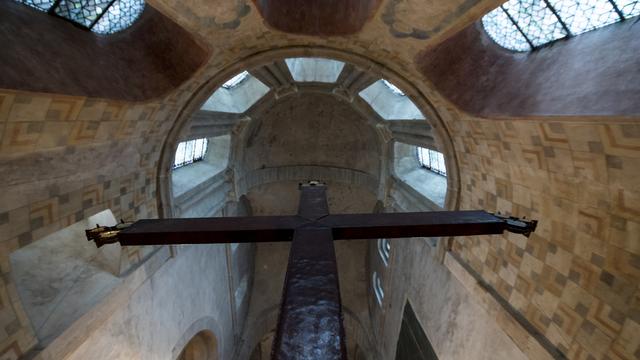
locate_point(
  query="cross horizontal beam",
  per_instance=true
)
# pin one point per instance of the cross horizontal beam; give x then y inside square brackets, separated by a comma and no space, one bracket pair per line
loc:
[310,320]
[422,224]
[281,228]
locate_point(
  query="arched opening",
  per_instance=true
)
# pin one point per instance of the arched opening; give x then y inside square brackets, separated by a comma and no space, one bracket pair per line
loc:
[202,346]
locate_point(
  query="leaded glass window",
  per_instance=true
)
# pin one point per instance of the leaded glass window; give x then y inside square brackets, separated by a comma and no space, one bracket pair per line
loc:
[432,160]
[523,25]
[189,152]
[99,16]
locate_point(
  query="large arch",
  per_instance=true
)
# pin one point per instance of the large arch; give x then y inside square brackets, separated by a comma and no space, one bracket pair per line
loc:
[201,94]
[200,337]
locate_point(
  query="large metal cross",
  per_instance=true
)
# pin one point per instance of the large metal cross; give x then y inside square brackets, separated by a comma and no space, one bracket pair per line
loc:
[310,320]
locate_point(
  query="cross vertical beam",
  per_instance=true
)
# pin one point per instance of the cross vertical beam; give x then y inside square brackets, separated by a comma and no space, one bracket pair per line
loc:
[310,319]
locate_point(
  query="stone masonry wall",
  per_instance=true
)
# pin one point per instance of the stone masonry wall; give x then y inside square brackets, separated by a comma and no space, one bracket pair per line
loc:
[576,278]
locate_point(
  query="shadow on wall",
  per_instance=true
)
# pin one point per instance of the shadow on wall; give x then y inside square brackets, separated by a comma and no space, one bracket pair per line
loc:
[202,346]
[129,65]
[62,276]
[595,73]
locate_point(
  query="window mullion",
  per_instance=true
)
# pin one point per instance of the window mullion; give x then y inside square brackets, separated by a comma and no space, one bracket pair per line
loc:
[515,23]
[52,9]
[555,12]
[101,14]
[617,10]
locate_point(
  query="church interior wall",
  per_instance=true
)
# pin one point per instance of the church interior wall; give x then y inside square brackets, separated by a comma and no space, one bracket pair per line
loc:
[47,54]
[189,287]
[70,278]
[456,324]
[100,156]
[273,142]
[575,280]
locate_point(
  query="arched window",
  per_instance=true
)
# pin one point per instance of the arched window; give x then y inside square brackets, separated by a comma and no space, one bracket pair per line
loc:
[524,25]
[99,16]
[384,249]
[377,288]
[431,160]
[189,152]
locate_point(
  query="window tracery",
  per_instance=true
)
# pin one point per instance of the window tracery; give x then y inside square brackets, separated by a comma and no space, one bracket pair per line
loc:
[524,25]
[99,16]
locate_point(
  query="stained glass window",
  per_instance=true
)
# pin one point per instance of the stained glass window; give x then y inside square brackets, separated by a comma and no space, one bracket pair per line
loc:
[99,16]
[43,5]
[432,160]
[524,25]
[189,152]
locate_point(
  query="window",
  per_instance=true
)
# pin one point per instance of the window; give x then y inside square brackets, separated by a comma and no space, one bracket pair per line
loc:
[388,101]
[237,94]
[236,80]
[377,288]
[432,160]
[524,25]
[99,16]
[384,249]
[314,69]
[393,88]
[189,152]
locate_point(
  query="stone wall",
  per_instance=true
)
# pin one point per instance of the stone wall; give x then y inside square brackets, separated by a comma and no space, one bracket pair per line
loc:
[151,320]
[576,278]
[64,159]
